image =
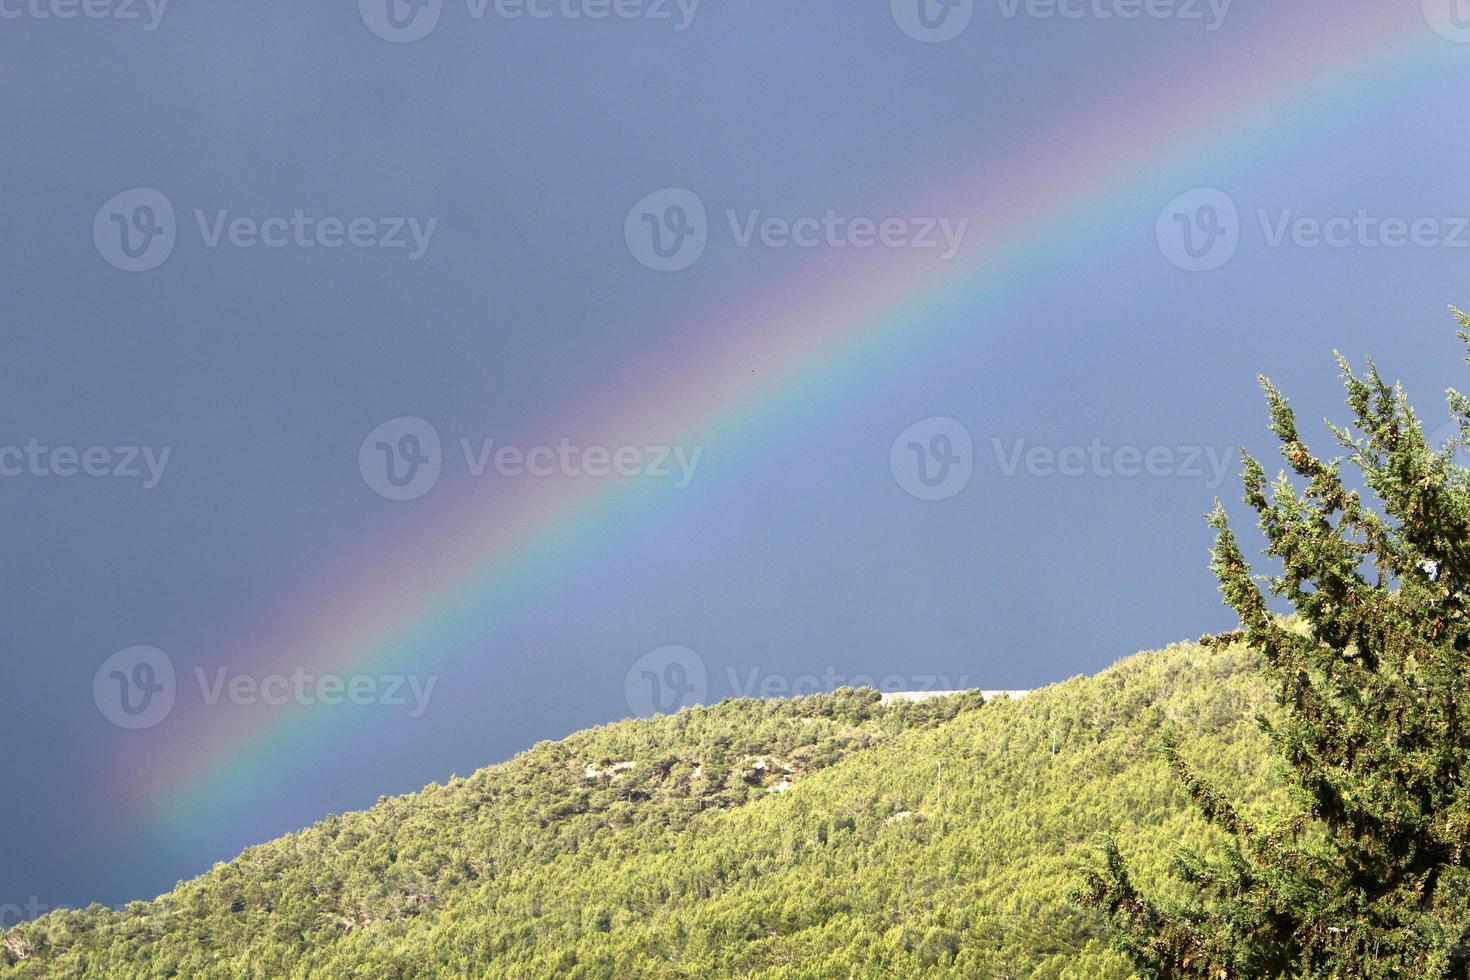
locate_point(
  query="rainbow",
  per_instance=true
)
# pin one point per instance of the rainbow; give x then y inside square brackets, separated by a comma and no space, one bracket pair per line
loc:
[469,568]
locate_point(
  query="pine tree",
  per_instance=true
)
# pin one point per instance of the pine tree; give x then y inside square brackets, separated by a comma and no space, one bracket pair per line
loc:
[1366,874]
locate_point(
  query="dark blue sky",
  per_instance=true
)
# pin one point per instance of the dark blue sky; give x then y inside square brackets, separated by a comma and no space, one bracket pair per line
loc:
[515,148]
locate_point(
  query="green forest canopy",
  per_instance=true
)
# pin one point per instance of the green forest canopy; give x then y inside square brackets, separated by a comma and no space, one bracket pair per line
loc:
[826,836]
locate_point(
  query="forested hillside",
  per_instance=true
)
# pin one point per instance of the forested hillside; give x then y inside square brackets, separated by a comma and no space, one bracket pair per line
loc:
[827,836]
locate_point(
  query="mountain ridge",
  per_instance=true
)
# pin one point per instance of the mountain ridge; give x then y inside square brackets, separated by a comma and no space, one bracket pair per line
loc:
[829,835]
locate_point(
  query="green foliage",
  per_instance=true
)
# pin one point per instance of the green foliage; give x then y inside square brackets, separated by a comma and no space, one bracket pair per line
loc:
[1364,873]
[932,839]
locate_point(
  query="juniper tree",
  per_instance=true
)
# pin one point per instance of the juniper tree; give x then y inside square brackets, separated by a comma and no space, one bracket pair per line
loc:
[1365,873]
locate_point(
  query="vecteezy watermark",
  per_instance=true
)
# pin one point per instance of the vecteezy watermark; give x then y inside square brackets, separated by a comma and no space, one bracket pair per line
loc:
[406,21]
[1098,459]
[664,680]
[1450,19]
[34,459]
[568,459]
[936,21]
[401,21]
[1363,230]
[678,13]
[1200,230]
[669,230]
[933,459]
[755,682]
[932,21]
[136,231]
[149,13]
[1211,13]
[138,687]
[669,678]
[403,458]
[13,914]
[300,687]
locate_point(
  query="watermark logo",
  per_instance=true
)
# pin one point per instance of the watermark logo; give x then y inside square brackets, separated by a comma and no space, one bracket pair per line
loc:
[1211,12]
[401,459]
[308,690]
[400,21]
[678,12]
[135,230]
[119,10]
[664,680]
[1363,230]
[933,459]
[833,230]
[932,21]
[306,231]
[667,231]
[1199,230]
[13,914]
[670,678]
[1450,19]
[138,688]
[36,459]
[573,461]
[1100,459]
[135,688]
[406,21]
[757,683]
